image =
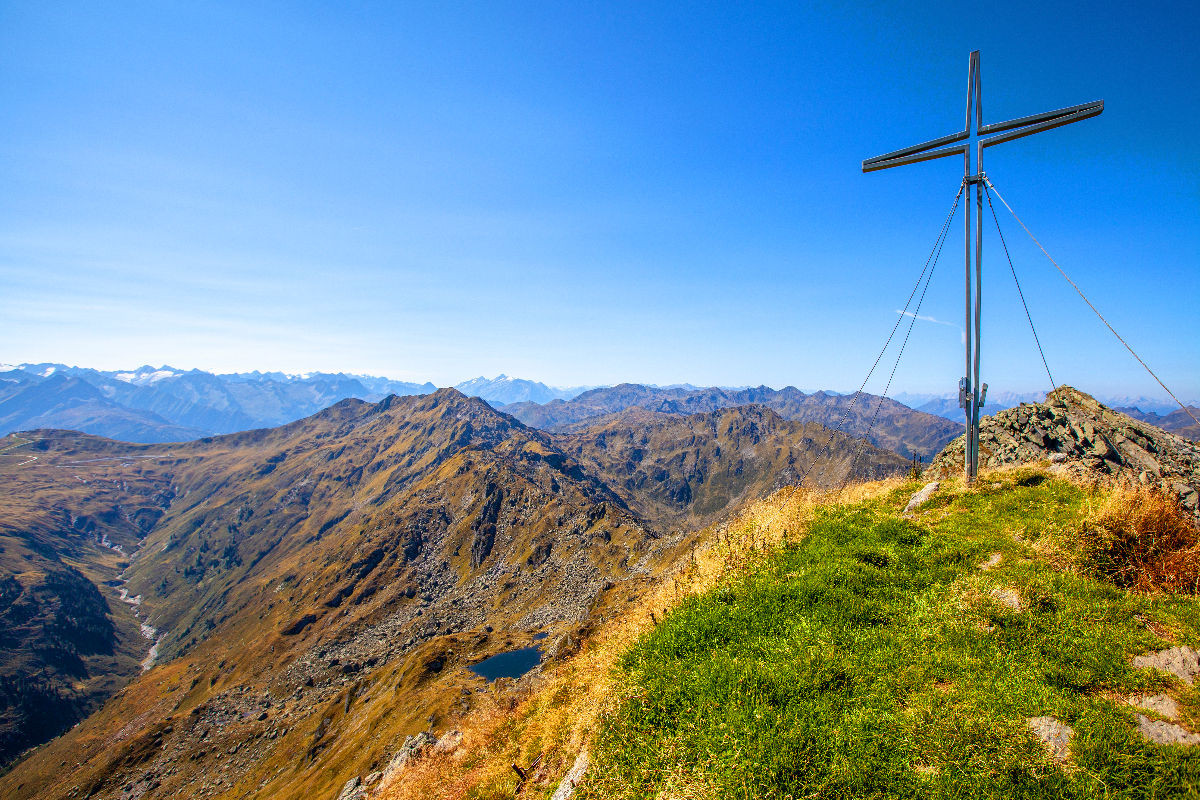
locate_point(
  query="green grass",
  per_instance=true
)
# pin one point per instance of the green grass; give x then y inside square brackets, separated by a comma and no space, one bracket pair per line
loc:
[869,660]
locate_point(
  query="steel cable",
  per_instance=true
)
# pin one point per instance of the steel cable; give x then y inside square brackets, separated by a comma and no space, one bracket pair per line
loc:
[862,442]
[1095,310]
[936,251]
[1020,293]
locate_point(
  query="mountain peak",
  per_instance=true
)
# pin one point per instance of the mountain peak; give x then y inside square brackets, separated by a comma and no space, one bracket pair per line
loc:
[1082,435]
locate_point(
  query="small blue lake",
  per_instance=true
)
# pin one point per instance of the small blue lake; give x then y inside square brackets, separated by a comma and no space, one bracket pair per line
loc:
[512,664]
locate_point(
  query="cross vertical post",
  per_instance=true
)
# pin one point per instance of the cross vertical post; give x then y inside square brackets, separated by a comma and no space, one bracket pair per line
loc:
[967,398]
[972,394]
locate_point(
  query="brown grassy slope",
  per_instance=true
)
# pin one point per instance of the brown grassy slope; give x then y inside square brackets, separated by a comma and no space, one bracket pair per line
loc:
[322,585]
[552,716]
[688,470]
[302,569]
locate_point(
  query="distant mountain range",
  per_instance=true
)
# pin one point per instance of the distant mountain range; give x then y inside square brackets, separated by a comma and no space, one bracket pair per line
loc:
[947,405]
[164,404]
[503,390]
[1177,421]
[886,423]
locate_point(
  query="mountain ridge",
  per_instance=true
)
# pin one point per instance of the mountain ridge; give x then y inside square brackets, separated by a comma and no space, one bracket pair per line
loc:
[368,532]
[893,426]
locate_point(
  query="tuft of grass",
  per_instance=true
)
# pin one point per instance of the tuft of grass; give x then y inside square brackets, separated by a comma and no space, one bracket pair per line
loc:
[1142,539]
[870,659]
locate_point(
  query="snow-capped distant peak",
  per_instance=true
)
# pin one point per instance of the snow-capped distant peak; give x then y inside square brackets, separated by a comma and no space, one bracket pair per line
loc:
[145,375]
[49,371]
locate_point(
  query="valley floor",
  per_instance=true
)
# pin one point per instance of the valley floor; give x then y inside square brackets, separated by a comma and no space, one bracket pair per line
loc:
[837,648]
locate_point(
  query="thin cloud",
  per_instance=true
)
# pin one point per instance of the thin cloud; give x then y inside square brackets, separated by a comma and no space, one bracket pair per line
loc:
[928,319]
[962,333]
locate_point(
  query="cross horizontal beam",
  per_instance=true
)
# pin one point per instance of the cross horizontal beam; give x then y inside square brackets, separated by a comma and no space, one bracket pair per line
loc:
[918,152]
[1026,126]
[892,160]
[1006,132]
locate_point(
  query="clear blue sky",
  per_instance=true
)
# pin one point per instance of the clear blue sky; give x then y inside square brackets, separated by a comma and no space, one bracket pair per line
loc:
[587,193]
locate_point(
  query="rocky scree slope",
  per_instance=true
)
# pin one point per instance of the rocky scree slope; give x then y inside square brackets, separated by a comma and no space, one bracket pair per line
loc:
[1076,431]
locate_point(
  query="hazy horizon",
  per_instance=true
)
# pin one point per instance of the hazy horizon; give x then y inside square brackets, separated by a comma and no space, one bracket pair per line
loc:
[903,396]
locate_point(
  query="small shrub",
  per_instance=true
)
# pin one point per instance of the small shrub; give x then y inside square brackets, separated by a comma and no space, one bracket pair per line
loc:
[915,468]
[1143,540]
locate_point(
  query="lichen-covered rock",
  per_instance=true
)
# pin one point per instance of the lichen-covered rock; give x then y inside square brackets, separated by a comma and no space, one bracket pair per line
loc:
[448,742]
[566,789]
[412,747]
[1182,662]
[1054,735]
[922,497]
[1165,732]
[353,790]
[1162,704]
[1008,598]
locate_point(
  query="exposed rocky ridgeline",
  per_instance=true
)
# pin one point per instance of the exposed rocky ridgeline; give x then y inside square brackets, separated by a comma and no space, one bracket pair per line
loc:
[895,427]
[1072,428]
[316,589]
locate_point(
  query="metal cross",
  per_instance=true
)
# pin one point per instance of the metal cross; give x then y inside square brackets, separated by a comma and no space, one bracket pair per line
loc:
[976,136]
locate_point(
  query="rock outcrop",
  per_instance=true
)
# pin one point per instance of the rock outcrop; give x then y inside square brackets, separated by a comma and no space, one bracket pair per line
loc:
[1081,434]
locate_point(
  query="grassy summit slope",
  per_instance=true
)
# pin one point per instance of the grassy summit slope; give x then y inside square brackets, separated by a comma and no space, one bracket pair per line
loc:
[828,646]
[875,657]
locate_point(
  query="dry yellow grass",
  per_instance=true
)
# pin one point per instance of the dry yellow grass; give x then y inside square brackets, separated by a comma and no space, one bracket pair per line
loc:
[555,714]
[1142,539]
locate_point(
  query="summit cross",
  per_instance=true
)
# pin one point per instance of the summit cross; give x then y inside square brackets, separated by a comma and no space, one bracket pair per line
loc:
[971,140]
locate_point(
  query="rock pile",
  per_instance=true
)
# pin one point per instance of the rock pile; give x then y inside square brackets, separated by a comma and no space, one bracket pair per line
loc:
[1075,430]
